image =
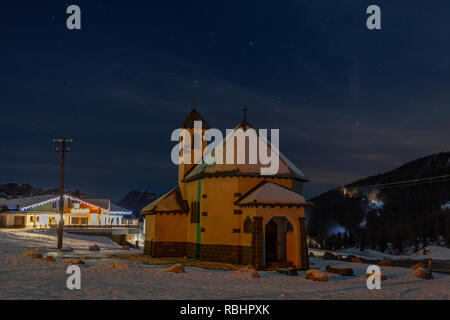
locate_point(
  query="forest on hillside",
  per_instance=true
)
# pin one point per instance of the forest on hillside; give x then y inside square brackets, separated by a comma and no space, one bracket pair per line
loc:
[403,207]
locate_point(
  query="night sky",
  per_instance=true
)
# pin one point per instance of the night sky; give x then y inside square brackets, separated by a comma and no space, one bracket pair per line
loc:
[349,102]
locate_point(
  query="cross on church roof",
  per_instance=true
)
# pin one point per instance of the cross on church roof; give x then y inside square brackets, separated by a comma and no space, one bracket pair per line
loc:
[245,113]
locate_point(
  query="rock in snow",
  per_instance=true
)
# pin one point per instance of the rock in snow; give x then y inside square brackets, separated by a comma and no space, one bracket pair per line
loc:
[31,252]
[94,248]
[385,263]
[316,275]
[420,273]
[383,277]
[48,259]
[75,261]
[343,271]
[176,268]
[292,272]
[118,266]
[417,266]
[28,253]
[248,272]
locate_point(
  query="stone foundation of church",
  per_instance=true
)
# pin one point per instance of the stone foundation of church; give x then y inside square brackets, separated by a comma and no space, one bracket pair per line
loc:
[165,249]
[205,252]
[226,253]
[242,255]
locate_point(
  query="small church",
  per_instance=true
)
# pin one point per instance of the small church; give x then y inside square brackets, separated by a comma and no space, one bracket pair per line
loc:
[230,213]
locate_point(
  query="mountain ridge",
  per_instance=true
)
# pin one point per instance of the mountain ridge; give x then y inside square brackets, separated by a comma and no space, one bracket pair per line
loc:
[400,205]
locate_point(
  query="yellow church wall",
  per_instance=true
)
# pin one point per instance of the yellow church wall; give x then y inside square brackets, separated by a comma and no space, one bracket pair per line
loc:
[290,246]
[218,204]
[150,227]
[221,193]
[166,227]
[171,227]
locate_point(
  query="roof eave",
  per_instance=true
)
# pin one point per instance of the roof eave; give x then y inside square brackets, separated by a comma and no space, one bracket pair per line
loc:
[275,204]
[234,174]
[164,212]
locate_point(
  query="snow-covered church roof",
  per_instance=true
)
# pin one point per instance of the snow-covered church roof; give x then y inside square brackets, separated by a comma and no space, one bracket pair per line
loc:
[286,168]
[269,193]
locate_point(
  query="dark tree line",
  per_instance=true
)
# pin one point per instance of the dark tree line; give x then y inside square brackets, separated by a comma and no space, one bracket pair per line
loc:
[410,216]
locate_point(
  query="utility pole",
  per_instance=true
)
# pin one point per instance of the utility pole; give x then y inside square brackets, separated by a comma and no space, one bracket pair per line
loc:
[63,151]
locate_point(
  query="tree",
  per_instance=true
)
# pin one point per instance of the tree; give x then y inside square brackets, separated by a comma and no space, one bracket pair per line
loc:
[383,242]
[362,242]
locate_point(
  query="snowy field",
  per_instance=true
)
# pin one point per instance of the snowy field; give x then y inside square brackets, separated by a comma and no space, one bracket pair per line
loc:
[22,277]
[437,253]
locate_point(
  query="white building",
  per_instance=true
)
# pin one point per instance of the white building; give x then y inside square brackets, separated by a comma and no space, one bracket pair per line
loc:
[43,212]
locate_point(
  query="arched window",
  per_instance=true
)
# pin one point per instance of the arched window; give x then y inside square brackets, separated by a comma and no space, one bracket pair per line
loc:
[248,225]
[195,212]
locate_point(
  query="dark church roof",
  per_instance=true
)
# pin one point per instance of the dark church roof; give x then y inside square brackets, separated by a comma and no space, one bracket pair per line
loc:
[244,125]
[194,115]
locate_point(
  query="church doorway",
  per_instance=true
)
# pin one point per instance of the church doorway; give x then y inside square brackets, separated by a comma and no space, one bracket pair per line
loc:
[278,231]
[271,242]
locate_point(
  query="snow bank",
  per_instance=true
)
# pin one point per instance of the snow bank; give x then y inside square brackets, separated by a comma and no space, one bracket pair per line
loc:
[22,277]
[437,253]
[370,254]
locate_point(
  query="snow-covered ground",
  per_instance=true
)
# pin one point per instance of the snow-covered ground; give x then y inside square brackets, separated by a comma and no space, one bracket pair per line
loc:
[22,277]
[437,253]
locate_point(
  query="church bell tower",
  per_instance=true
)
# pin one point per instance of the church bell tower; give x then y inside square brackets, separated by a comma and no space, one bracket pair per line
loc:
[188,124]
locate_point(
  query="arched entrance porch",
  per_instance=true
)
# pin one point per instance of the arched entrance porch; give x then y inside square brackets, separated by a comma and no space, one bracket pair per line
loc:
[278,242]
[279,235]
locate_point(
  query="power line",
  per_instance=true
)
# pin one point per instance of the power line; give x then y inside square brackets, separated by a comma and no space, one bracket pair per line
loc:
[407,170]
[404,183]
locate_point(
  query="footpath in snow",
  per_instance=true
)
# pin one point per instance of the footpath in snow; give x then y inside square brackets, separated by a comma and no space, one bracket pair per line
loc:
[22,277]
